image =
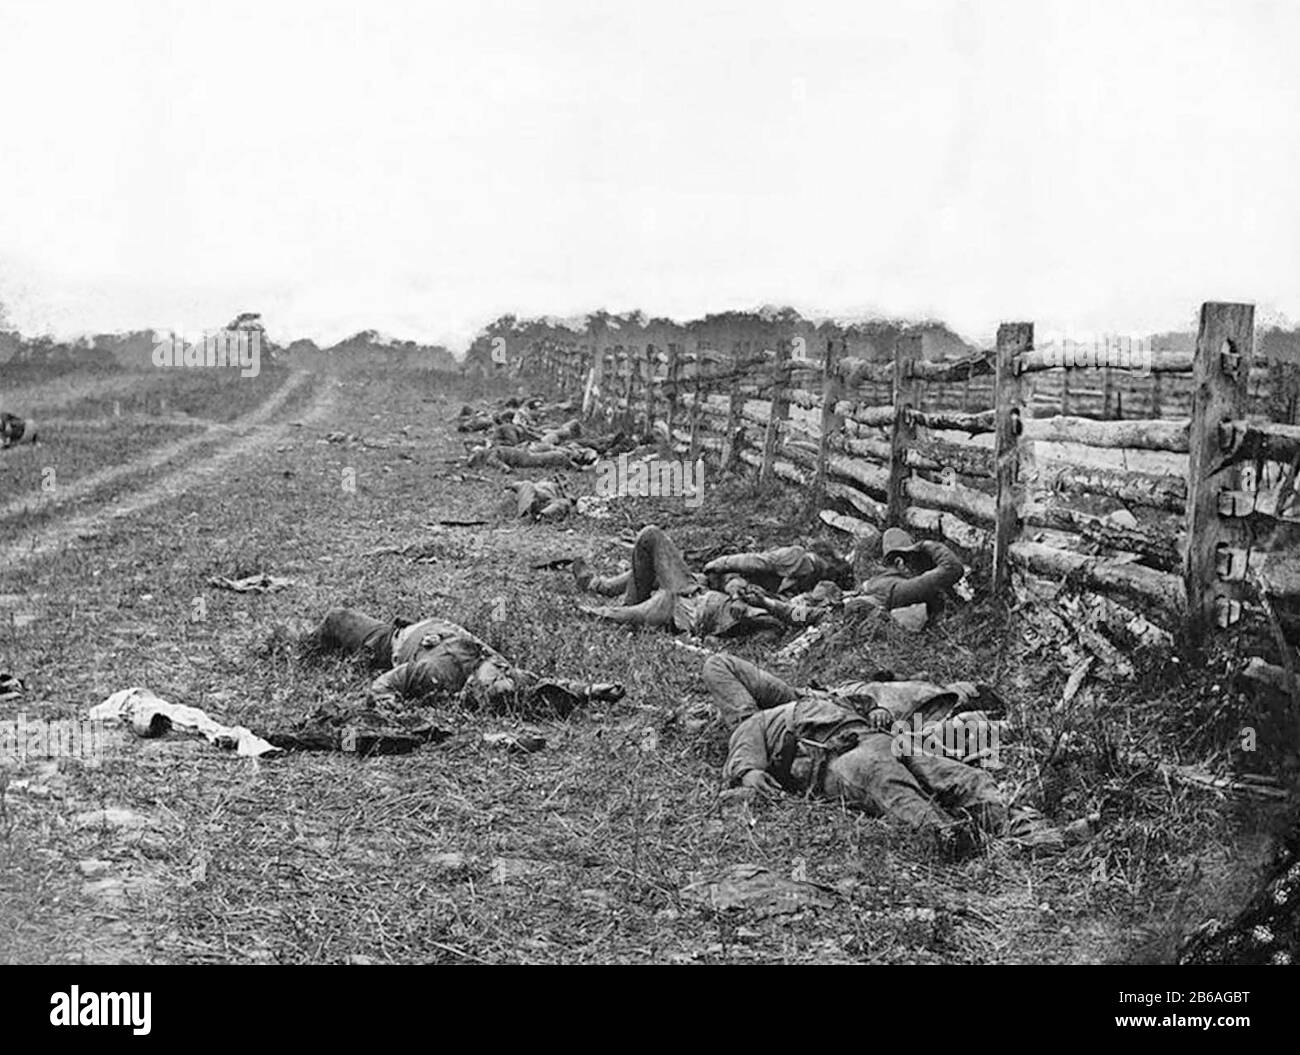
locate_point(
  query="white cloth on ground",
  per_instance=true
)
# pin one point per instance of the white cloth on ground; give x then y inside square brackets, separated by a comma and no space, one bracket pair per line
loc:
[149,715]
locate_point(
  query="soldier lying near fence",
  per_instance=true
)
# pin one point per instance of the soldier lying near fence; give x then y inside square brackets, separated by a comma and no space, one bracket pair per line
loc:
[806,609]
[913,586]
[533,456]
[14,430]
[844,743]
[785,570]
[661,591]
[512,434]
[513,411]
[424,664]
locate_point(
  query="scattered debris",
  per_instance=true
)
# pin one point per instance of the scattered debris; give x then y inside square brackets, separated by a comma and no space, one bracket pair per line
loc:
[1250,785]
[1076,679]
[594,506]
[760,891]
[454,865]
[515,743]
[798,648]
[110,817]
[263,583]
[504,869]
[151,716]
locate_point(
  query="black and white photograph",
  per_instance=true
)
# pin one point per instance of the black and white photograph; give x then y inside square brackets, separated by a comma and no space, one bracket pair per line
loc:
[606,483]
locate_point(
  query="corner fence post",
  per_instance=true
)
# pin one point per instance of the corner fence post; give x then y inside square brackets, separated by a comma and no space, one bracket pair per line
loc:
[1216,537]
[1014,339]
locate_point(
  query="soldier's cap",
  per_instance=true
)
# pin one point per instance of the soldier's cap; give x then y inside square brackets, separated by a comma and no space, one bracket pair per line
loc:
[898,542]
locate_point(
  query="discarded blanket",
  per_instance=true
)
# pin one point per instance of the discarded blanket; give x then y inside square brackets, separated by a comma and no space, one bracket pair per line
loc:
[152,716]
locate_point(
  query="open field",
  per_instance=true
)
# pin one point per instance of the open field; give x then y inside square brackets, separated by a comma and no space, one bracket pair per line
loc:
[578,853]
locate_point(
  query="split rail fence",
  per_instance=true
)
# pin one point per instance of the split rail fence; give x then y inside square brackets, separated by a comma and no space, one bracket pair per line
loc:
[1166,518]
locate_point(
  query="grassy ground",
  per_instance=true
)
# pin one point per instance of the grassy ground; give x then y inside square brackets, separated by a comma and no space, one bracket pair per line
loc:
[461,852]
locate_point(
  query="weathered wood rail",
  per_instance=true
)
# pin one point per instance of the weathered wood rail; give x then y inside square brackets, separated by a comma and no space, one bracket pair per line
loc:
[1147,486]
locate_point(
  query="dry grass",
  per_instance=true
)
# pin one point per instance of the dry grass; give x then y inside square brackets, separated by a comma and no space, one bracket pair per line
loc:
[578,853]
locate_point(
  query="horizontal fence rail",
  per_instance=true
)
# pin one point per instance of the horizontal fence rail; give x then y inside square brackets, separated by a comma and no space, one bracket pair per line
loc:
[1143,480]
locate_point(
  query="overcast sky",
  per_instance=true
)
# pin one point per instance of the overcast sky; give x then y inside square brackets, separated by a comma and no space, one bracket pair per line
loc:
[422,167]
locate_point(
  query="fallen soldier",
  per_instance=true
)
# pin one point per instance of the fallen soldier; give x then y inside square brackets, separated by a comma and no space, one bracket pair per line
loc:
[660,591]
[541,500]
[424,664]
[524,415]
[913,586]
[845,743]
[533,456]
[785,570]
[806,609]
[472,421]
[13,430]
[510,435]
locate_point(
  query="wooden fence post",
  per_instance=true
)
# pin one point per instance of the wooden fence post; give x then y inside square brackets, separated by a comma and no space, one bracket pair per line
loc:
[1216,542]
[670,390]
[831,422]
[1014,339]
[695,400]
[906,397]
[730,448]
[597,374]
[609,391]
[778,411]
[651,368]
[629,367]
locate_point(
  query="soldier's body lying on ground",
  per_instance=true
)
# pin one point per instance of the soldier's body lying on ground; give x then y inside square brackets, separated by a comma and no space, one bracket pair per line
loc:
[541,500]
[14,430]
[424,664]
[730,599]
[660,591]
[915,582]
[554,449]
[525,412]
[912,589]
[847,743]
[784,571]
[520,425]
[533,456]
